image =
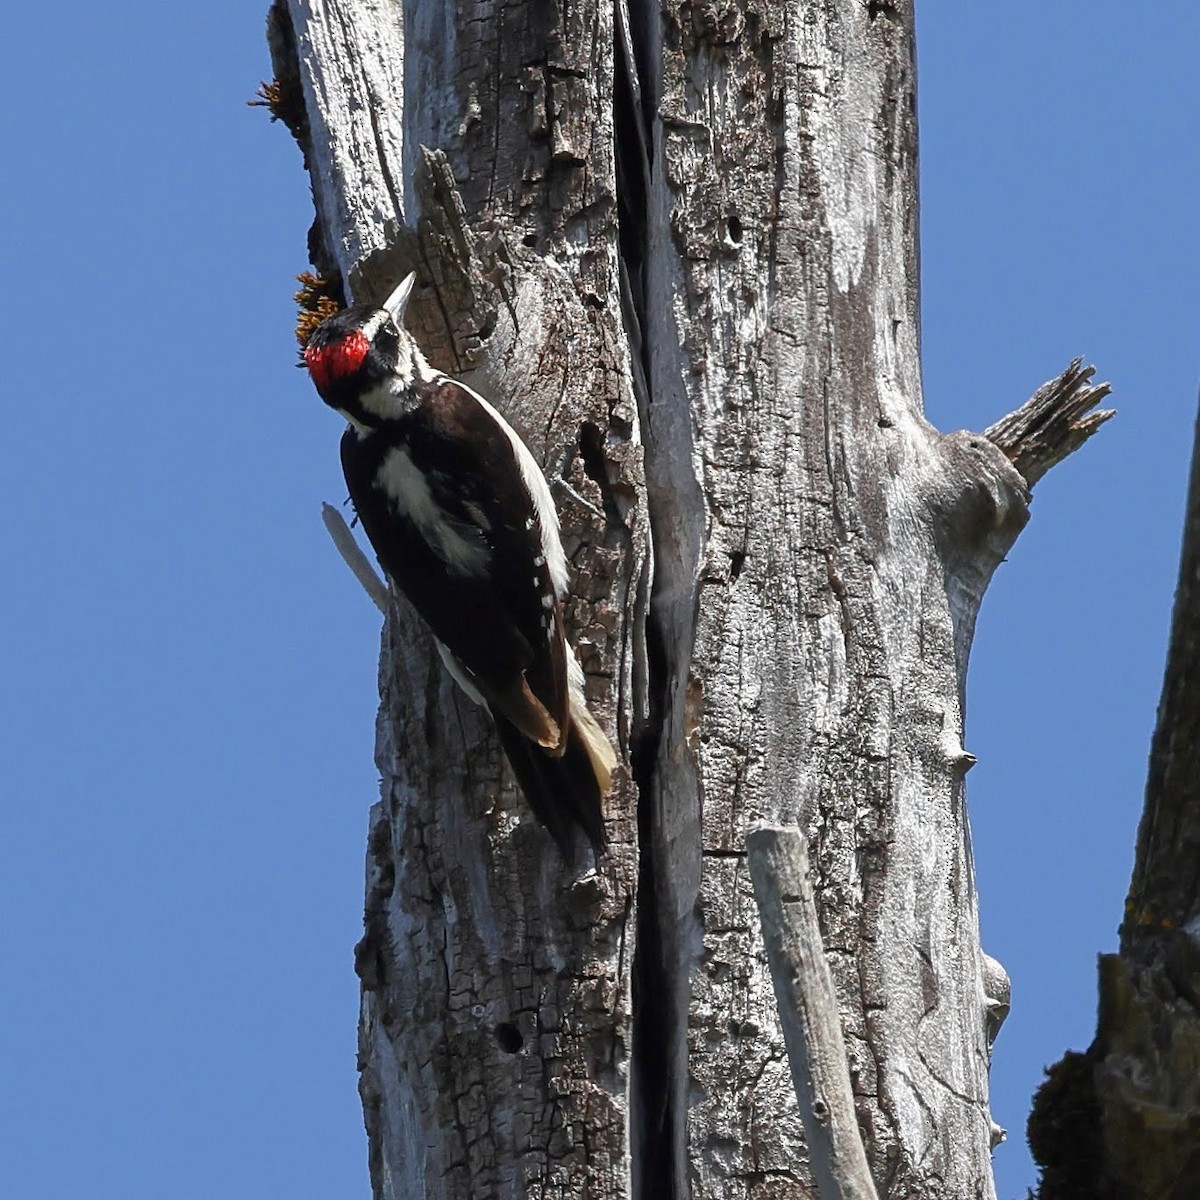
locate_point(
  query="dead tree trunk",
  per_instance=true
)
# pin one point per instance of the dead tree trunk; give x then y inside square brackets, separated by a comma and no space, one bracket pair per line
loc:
[1122,1121]
[677,245]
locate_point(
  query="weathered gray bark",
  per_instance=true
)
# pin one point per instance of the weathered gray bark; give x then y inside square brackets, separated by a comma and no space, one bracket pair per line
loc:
[683,237]
[1122,1122]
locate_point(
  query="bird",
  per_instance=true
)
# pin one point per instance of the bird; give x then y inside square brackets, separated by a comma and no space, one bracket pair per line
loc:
[463,523]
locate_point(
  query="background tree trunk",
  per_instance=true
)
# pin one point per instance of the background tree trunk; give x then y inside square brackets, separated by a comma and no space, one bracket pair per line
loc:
[1122,1121]
[677,246]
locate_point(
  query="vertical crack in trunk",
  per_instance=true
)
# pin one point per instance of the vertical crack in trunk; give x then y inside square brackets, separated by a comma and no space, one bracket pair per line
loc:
[651,1116]
[649,1111]
[658,1084]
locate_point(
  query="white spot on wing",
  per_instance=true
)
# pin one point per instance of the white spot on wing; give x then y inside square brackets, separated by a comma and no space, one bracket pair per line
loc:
[458,544]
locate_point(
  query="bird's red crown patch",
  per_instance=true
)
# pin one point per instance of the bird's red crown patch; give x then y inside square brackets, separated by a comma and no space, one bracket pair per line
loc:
[338,360]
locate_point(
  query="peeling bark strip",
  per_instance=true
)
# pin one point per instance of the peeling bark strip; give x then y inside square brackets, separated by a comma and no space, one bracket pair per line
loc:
[808,1012]
[683,234]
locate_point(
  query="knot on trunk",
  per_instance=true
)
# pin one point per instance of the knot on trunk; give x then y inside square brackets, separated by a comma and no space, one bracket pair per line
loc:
[978,500]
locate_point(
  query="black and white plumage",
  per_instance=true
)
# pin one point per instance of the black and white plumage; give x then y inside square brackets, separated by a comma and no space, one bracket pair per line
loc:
[462,520]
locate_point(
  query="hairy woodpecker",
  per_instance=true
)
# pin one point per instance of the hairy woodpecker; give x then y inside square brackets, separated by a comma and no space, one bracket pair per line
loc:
[462,520]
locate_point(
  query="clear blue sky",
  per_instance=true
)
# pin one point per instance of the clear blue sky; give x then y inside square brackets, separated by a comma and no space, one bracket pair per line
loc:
[188,689]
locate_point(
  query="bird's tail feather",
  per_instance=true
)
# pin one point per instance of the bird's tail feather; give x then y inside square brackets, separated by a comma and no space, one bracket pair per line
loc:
[599,749]
[565,791]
